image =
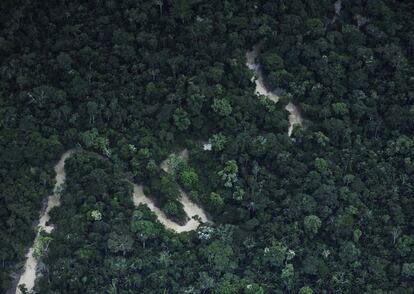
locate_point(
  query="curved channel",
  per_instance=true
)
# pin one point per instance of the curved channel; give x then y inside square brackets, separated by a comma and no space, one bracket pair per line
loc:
[294,117]
[28,277]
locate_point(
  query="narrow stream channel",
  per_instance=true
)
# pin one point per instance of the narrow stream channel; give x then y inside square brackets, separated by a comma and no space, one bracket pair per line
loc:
[190,208]
[337,8]
[294,116]
[28,276]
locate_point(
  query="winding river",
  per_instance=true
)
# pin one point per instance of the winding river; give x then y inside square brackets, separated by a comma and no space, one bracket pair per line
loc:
[337,8]
[294,116]
[190,208]
[29,274]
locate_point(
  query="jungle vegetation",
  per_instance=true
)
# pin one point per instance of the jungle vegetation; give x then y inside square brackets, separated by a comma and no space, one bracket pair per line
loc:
[328,210]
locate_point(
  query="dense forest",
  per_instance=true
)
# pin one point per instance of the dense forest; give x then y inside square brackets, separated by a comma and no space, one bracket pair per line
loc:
[329,209]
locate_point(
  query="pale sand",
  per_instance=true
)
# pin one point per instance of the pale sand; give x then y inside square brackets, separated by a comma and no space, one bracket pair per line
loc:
[190,208]
[28,277]
[294,116]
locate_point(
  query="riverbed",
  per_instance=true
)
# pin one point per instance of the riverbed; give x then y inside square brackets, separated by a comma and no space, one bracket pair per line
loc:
[294,115]
[337,8]
[190,208]
[28,276]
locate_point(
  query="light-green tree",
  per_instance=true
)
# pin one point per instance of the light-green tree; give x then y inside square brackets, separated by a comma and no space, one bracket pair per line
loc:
[219,256]
[306,290]
[229,173]
[144,229]
[222,106]
[408,270]
[41,244]
[340,108]
[276,254]
[218,141]
[188,178]
[92,139]
[181,119]
[312,224]
[287,274]
[216,201]
[96,215]
[322,166]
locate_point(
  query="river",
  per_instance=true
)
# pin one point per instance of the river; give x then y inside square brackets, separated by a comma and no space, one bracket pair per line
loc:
[28,276]
[337,8]
[294,115]
[190,208]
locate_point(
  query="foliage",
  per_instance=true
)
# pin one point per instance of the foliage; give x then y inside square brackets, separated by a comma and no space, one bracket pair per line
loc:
[329,209]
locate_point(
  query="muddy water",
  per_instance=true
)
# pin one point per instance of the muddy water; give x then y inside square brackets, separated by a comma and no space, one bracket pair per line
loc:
[29,275]
[190,208]
[338,8]
[140,198]
[294,116]
[258,78]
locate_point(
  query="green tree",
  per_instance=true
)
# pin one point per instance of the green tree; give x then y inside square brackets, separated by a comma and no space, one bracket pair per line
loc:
[181,119]
[181,9]
[312,223]
[229,173]
[408,270]
[144,229]
[405,245]
[188,178]
[216,201]
[340,108]
[120,243]
[254,289]
[174,209]
[218,141]
[322,166]
[357,235]
[219,256]
[64,60]
[287,274]
[306,290]
[271,61]
[315,27]
[276,254]
[222,106]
